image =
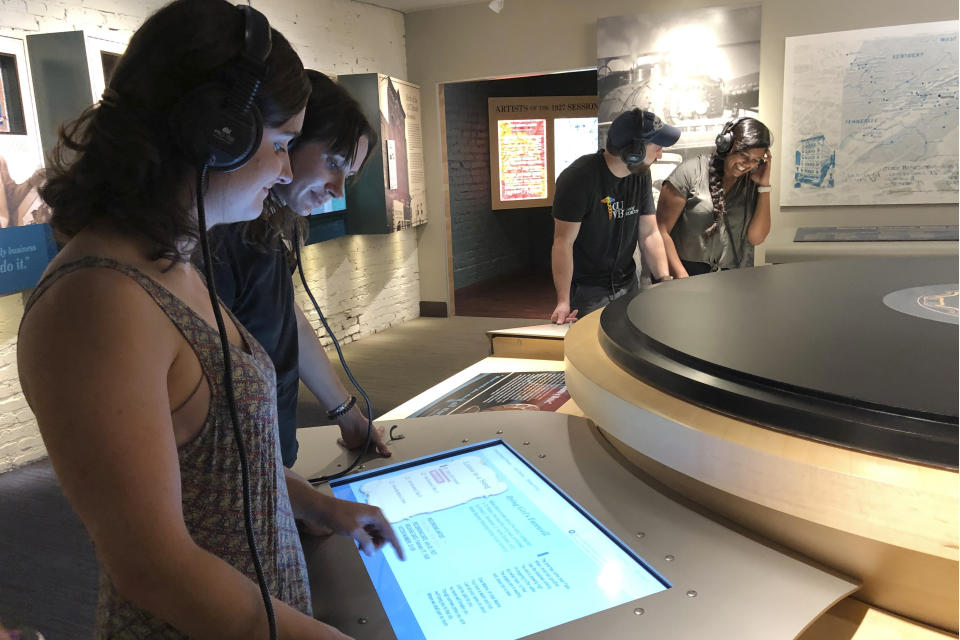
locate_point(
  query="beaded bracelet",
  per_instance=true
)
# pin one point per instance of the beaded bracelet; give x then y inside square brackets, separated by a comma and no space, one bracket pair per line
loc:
[333,414]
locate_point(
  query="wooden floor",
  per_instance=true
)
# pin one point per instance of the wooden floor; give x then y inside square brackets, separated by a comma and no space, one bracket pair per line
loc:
[519,295]
[48,575]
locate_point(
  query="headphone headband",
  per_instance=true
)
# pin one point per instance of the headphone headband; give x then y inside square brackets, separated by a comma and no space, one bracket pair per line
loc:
[724,139]
[217,123]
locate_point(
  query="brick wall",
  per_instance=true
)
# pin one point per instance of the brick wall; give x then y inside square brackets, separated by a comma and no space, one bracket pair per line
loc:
[363,283]
[489,243]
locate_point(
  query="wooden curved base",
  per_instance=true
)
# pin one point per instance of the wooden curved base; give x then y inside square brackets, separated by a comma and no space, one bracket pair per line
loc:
[891,524]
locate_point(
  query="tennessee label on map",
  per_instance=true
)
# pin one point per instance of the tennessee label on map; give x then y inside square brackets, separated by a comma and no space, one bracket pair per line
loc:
[870,116]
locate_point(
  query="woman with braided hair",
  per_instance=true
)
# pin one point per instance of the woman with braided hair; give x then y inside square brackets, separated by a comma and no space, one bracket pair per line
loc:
[715,209]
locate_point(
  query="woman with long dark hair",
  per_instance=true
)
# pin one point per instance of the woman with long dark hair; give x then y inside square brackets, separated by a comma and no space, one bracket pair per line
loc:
[119,356]
[253,261]
[713,210]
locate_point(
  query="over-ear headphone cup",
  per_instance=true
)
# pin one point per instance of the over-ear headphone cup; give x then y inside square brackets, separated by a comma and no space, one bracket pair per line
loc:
[210,132]
[724,142]
[635,154]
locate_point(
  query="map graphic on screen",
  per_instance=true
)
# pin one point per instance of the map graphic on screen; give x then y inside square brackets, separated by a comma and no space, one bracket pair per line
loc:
[523,159]
[494,550]
[572,138]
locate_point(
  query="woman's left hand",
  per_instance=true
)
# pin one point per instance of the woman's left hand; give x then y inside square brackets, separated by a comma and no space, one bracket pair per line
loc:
[761,175]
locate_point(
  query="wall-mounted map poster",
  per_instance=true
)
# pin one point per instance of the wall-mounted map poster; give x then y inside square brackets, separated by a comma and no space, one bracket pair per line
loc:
[870,116]
[522,148]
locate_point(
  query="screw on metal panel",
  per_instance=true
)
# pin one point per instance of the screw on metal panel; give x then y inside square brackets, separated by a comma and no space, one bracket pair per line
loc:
[361,467]
[638,611]
[668,558]
[542,455]
[691,593]
[499,431]
[362,620]
[526,442]
[641,534]
[465,440]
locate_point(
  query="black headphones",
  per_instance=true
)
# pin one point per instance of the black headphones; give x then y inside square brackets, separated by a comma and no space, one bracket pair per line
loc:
[724,139]
[217,123]
[637,151]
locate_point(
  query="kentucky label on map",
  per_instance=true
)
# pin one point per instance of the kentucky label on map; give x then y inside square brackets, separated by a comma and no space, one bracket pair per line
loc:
[870,116]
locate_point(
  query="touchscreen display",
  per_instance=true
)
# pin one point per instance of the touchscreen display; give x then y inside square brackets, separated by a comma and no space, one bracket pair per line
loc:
[495,551]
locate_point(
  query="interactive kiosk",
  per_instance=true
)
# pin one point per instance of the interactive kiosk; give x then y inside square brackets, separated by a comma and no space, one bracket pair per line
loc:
[528,524]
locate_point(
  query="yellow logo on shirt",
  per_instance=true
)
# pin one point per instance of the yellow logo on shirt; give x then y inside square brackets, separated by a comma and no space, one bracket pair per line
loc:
[609,201]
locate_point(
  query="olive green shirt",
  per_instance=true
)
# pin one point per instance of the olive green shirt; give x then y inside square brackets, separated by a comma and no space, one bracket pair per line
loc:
[728,248]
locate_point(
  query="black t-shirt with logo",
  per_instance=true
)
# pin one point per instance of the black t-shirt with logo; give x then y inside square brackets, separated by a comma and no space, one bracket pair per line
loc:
[255,284]
[606,208]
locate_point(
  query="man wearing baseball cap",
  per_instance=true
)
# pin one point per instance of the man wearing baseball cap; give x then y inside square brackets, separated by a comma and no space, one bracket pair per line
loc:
[602,208]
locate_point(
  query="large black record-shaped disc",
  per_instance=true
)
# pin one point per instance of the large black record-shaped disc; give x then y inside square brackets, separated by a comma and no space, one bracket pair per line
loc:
[860,353]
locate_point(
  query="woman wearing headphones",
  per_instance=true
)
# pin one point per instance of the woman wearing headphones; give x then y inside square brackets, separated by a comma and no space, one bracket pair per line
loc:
[713,210]
[120,358]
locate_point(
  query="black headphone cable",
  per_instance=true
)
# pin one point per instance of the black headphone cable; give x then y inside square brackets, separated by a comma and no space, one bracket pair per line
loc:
[346,369]
[231,402]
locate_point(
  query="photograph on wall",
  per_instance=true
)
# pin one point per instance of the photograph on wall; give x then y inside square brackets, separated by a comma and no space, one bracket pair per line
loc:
[26,243]
[695,69]
[522,149]
[526,391]
[870,116]
[402,146]
[4,118]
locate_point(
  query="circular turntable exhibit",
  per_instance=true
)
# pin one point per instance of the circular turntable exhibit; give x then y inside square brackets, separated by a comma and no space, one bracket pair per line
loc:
[812,403]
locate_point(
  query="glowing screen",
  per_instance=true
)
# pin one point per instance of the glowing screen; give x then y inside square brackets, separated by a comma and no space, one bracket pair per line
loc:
[572,138]
[523,159]
[495,551]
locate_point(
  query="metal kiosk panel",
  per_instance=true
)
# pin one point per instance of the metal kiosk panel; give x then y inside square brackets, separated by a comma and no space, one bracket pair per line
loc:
[724,585]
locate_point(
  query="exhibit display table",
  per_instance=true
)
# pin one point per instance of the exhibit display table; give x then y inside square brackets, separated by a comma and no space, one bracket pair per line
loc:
[543,341]
[484,371]
[839,497]
[715,584]
[781,247]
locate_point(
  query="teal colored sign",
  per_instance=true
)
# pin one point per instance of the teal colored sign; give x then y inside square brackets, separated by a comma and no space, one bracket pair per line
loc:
[24,253]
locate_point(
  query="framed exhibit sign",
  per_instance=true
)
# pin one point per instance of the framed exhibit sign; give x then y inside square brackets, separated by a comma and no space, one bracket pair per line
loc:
[390,194]
[19,141]
[69,70]
[532,139]
[21,158]
[102,57]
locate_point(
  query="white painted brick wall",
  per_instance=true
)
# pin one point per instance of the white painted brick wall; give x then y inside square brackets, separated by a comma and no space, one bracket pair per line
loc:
[364,284]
